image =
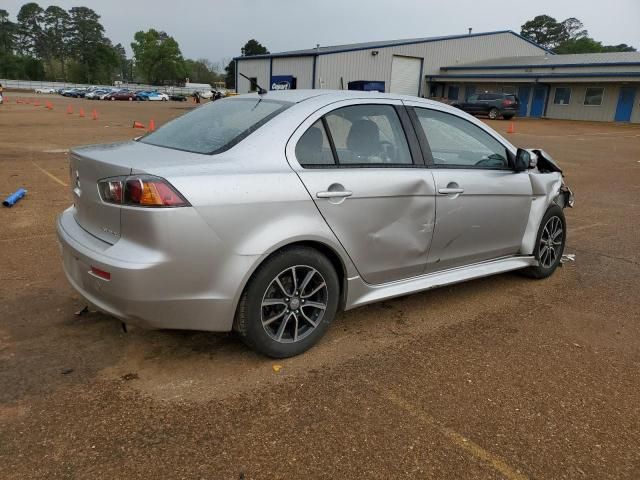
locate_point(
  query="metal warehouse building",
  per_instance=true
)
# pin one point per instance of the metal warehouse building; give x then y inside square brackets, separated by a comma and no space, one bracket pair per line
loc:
[585,87]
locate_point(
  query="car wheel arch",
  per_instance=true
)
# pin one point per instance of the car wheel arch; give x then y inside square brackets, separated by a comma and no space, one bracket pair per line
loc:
[328,251]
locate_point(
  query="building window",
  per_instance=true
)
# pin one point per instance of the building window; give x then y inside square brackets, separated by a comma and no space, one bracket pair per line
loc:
[454,92]
[593,96]
[562,96]
[253,81]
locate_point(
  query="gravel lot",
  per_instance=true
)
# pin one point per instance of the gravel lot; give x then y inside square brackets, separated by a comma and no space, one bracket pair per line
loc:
[503,377]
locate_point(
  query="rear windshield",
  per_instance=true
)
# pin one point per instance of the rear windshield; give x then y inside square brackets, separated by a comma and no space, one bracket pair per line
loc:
[217,126]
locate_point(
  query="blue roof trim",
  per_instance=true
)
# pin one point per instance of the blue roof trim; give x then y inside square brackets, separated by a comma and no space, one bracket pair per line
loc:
[559,65]
[534,75]
[309,53]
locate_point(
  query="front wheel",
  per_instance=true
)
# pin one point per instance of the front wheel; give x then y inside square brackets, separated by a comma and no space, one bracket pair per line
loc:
[289,303]
[550,243]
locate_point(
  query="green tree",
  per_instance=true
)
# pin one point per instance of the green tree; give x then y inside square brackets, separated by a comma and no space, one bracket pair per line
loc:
[230,74]
[30,33]
[253,47]
[201,71]
[88,45]
[621,47]
[568,36]
[157,57]
[7,33]
[579,45]
[544,30]
[56,32]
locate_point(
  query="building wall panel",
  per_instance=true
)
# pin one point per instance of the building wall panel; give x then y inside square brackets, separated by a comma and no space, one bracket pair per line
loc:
[299,67]
[336,70]
[258,68]
[576,110]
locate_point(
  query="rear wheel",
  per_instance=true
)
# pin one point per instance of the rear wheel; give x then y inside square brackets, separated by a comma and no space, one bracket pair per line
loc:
[289,303]
[549,243]
[494,113]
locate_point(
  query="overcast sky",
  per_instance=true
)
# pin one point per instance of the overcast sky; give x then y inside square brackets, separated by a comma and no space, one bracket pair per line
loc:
[217,30]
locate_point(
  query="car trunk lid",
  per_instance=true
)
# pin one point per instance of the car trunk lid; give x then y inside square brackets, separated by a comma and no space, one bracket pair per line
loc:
[98,218]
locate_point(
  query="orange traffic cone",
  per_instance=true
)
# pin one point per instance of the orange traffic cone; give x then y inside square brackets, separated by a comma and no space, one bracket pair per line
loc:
[94,115]
[512,128]
[138,125]
[152,125]
[49,105]
[69,110]
[82,113]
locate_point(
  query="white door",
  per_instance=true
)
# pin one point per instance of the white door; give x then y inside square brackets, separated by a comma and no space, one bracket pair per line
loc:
[405,75]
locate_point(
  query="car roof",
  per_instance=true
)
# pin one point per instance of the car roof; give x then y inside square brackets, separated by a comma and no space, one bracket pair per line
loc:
[330,96]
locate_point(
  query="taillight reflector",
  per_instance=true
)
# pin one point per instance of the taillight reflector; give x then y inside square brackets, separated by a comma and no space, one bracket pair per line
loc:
[100,273]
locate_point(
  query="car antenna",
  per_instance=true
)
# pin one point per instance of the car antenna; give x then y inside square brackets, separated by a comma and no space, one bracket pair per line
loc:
[261,91]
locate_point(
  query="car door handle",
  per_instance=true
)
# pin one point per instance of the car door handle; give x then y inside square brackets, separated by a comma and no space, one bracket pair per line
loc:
[450,191]
[334,194]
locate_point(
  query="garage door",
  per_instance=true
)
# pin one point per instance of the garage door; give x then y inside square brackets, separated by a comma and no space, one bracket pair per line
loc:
[405,75]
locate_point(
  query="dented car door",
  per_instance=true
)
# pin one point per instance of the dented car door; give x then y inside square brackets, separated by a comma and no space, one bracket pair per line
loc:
[482,203]
[373,189]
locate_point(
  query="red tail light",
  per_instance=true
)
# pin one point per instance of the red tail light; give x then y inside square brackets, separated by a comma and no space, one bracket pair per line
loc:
[143,191]
[507,102]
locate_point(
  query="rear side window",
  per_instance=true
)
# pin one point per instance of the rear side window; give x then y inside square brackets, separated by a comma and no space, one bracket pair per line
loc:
[217,126]
[455,142]
[313,148]
[368,135]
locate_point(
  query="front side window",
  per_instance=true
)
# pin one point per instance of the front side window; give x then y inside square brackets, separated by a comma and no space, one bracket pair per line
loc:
[368,135]
[457,143]
[217,126]
[562,96]
[593,96]
[313,148]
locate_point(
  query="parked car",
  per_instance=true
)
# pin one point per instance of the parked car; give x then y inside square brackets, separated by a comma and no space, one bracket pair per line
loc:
[96,94]
[495,105]
[120,95]
[157,96]
[268,213]
[45,90]
[177,98]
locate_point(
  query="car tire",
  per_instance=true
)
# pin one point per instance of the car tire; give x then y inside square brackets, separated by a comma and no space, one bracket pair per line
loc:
[271,299]
[494,113]
[552,234]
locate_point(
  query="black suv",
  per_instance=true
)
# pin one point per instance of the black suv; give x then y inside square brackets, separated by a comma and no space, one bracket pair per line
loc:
[495,105]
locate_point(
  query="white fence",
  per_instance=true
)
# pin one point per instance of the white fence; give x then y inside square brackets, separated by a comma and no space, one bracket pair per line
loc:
[32,85]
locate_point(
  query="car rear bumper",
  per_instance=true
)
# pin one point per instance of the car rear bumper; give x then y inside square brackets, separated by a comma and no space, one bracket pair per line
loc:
[150,288]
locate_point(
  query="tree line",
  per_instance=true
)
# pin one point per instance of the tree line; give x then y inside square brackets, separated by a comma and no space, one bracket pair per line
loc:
[71,46]
[567,36]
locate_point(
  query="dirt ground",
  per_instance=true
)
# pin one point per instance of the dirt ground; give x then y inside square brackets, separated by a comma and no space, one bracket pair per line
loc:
[503,377]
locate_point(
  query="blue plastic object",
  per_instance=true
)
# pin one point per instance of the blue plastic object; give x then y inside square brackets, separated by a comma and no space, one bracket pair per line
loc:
[12,199]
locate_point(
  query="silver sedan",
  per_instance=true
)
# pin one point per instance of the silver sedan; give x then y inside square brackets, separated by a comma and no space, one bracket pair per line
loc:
[267,213]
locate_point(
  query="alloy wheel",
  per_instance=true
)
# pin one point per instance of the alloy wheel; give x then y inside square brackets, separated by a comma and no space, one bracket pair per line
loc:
[294,303]
[550,242]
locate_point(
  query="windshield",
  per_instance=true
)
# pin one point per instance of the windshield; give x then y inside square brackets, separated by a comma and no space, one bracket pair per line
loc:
[217,126]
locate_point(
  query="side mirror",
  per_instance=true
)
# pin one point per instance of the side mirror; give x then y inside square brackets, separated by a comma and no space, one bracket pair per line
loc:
[523,160]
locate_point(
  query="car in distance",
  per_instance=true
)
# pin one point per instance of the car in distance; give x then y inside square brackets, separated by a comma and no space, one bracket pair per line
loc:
[45,90]
[268,213]
[97,94]
[494,105]
[120,95]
